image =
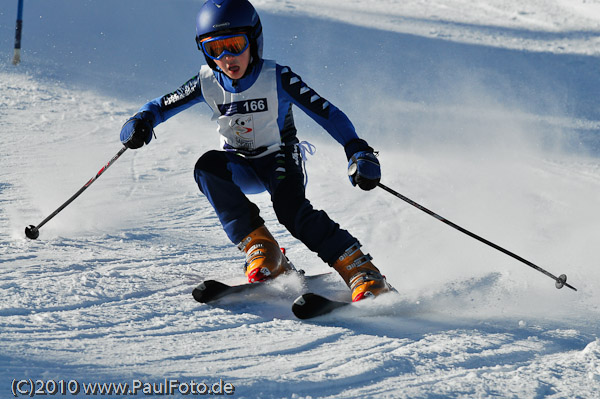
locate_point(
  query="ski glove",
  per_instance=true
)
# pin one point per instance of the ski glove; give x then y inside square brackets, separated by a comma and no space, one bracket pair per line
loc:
[137,130]
[364,170]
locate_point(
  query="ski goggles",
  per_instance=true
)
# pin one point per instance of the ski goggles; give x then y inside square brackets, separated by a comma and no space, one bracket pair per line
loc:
[217,47]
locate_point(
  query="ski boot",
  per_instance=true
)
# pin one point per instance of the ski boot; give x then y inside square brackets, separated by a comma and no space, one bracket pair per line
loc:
[363,278]
[264,259]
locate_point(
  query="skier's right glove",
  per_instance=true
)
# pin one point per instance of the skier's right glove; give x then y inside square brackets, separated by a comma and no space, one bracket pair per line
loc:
[137,130]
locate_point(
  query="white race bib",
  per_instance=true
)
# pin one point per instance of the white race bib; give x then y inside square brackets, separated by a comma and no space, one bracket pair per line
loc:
[247,121]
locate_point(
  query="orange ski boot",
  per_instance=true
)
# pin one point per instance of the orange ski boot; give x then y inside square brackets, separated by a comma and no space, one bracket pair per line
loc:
[264,258]
[359,273]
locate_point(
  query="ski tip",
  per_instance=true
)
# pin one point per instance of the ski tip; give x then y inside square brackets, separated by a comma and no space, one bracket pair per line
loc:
[311,305]
[301,308]
[208,290]
[198,293]
[309,299]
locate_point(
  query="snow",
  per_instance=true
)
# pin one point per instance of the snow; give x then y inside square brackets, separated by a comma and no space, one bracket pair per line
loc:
[483,111]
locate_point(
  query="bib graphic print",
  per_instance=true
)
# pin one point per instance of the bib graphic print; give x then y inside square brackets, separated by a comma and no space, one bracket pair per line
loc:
[247,121]
[243,128]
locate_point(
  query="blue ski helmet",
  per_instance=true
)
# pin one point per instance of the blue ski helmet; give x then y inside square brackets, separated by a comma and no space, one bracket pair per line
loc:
[230,16]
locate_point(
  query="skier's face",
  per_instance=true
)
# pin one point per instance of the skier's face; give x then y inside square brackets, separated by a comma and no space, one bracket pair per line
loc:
[234,66]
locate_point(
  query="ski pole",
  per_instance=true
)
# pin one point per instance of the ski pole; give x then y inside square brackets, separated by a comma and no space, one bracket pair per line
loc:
[33,232]
[18,30]
[561,280]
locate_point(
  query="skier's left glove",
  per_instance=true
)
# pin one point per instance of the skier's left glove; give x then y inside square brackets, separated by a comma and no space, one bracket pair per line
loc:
[364,170]
[137,130]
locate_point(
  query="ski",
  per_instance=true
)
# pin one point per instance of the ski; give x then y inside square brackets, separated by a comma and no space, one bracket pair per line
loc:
[211,290]
[311,305]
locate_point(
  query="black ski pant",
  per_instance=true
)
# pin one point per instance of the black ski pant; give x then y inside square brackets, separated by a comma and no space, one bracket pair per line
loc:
[225,178]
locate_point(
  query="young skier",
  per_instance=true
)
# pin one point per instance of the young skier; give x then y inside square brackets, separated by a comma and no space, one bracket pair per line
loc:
[251,99]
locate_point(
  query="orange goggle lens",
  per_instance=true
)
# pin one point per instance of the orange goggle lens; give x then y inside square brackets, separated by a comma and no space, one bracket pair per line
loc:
[217,47]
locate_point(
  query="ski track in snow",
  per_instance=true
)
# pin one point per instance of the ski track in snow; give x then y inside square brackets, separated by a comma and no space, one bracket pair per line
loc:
[105,293]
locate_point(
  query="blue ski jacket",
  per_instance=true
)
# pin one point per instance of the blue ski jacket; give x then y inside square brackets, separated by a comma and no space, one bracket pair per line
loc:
[290,90]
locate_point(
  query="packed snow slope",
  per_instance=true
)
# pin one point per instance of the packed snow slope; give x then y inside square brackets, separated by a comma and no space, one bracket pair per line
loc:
[484,111]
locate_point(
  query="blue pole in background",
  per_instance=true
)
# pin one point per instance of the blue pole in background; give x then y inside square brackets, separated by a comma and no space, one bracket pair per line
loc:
[18,30]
